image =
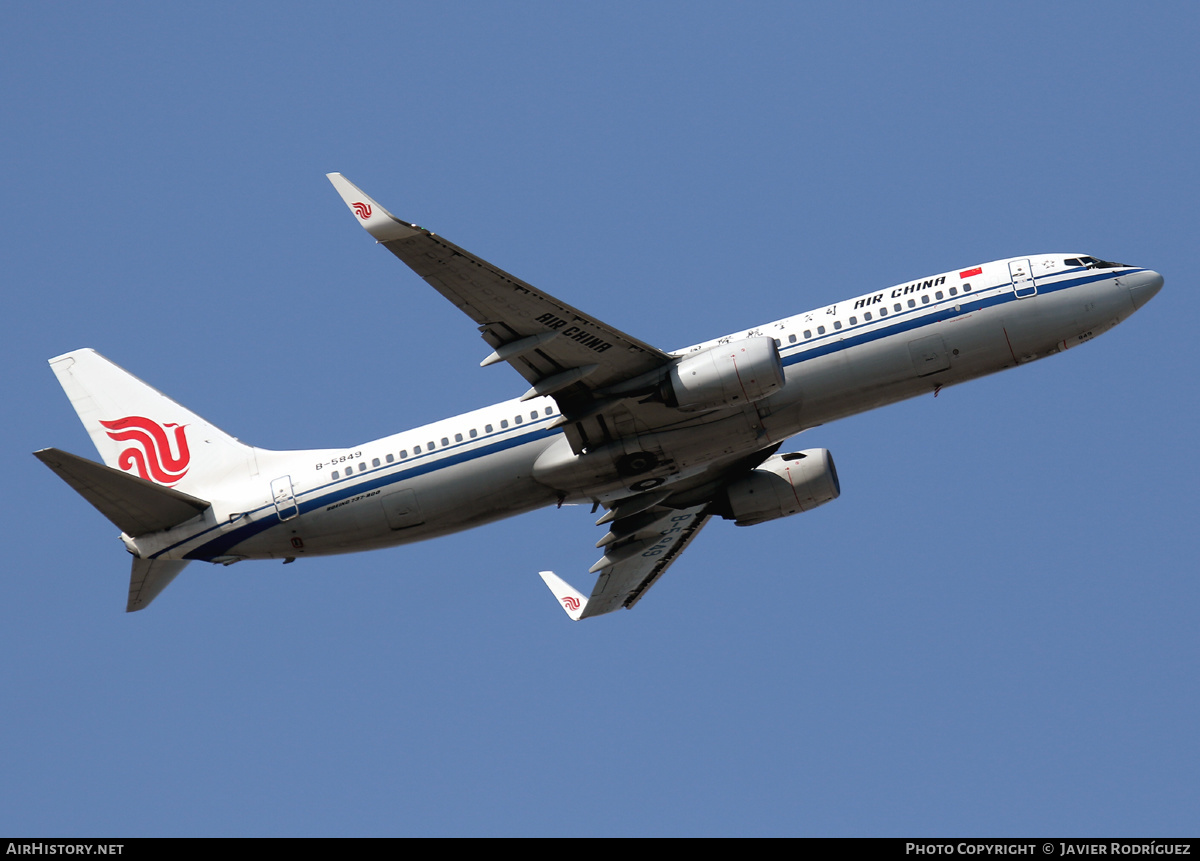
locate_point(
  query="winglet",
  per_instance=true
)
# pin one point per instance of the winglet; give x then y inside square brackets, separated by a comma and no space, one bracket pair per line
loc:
[571,599]
[378,221]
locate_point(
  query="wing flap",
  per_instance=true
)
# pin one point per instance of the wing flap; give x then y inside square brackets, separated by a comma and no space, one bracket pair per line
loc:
[508,310]
[631,565]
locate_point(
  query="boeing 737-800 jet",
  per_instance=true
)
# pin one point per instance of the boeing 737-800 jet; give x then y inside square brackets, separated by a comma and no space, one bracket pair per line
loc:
[663,441]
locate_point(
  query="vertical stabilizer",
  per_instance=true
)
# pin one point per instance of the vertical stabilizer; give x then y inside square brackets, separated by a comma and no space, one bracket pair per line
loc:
[139,430]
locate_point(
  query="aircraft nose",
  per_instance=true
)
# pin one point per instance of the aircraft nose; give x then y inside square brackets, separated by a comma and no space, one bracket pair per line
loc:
[1143,286]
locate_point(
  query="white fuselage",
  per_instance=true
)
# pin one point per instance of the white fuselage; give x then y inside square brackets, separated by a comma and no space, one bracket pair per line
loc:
[513,457]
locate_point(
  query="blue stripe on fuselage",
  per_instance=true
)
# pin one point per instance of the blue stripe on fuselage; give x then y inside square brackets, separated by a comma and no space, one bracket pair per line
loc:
[376,478]
[925,315]
[905,321]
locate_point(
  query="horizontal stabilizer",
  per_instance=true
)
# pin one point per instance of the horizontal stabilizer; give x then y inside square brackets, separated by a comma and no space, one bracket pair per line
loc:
[135,505]
[148,578]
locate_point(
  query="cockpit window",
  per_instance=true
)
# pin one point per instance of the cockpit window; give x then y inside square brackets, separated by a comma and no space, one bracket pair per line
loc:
[1092,263]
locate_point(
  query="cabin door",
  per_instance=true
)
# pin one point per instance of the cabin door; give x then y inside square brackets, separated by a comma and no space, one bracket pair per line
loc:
[1022,279]
[285,499]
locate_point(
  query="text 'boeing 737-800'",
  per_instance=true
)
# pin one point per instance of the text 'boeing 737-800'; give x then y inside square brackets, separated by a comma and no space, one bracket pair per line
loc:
[663,441]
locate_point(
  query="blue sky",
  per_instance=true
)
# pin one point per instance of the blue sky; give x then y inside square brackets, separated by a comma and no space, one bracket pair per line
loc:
[991,632]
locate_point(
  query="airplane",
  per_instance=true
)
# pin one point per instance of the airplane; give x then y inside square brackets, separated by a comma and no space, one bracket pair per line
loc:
[662,441]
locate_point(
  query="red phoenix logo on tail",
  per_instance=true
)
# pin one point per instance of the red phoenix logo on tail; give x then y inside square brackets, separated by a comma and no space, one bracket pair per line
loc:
[363,209]
[151,454]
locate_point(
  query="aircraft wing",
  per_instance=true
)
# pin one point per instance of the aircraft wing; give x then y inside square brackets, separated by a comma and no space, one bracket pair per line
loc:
[560,350]
[641,546]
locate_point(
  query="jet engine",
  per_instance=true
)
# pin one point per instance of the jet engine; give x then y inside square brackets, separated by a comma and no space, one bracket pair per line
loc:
[727,375]
[782,485]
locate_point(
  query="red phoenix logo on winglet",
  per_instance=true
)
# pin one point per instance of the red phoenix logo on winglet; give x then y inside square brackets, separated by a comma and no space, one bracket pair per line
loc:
[571,603]
[363,209]
[151,454]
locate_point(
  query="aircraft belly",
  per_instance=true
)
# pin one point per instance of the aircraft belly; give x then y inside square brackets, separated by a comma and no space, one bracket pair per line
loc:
[1103,305]
[1038,326]
[891,369]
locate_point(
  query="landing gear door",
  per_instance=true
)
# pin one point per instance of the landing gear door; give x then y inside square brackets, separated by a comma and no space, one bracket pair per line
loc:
[285,499]
[1022,279]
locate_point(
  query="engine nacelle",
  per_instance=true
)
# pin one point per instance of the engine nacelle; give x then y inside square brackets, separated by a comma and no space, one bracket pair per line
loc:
[782,485]
[727,375]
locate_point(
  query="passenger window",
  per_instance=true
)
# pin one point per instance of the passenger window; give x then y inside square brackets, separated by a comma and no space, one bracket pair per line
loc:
[953,291]
[939,296]
[925,299]
[896,307]
[458,437]
[474,433]
[487,428]
[445,441]
[430,445]
[533,415]
[853,321]
[548,411]
[837,324]
[375,461]
[912,303]
[807,334]
[336,476]
[362,467]
[791,339]
[403,453]
[503,423]
[867,316]
[820,330]
[416,449]
[883,310]
[778,343]
[390,458]
[966,288]
[517,419]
